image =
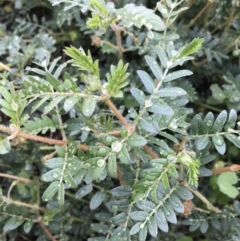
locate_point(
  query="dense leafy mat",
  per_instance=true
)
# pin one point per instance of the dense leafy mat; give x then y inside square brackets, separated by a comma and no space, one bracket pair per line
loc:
[119,120]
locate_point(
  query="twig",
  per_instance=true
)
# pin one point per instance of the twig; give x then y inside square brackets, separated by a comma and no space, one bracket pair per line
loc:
[42,139]
[20,179]
[46,231]
[49,156]
[117,31]
[155,9]
[4,66]
[231,17]
[113,133]
[181,145]
[235,42]
[203,199]
[7,68]
[18,203]
[11,187]
[150,152]
[15,130]
[118,115]
[188,4]
[202,62]
[229,20]
[135,39]
[232,168]
[192,22]
[73,197]
[110,44]
[80,220]
[129,127]
[207,106]
[120,178]
[201,210]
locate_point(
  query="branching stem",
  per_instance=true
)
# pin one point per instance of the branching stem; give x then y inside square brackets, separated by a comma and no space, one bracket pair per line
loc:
[130,128]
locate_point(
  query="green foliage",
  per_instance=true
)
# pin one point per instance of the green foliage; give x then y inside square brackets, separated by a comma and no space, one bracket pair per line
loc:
[13,106]
[83,61]
[226,181]
[42,125]
[191,48]
[140,16]
[117,79]
[5,146]
[114,139]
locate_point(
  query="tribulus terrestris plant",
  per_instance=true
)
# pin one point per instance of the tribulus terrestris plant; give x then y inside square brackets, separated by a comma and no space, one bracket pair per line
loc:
[110,145]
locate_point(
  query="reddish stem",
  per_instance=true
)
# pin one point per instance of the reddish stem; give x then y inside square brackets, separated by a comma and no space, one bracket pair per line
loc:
[42,139]
[232,168]
[46,231]
[119,115]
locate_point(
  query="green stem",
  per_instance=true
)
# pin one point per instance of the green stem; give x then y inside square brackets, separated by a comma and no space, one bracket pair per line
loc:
[165,30]
[192,137]
[203,199]
[73,197]
[207,106]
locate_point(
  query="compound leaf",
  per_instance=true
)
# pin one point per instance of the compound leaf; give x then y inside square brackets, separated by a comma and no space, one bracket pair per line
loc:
[82,60]
[52,104]
[191,48]
[117,78]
